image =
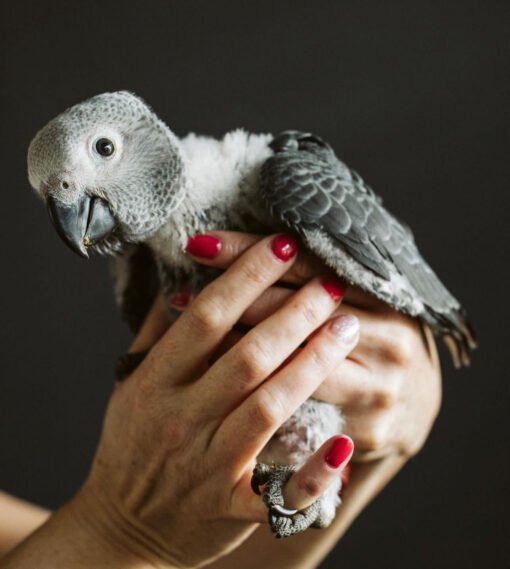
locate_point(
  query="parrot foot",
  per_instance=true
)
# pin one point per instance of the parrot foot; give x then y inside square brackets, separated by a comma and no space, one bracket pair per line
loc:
[283,521]
[127,364]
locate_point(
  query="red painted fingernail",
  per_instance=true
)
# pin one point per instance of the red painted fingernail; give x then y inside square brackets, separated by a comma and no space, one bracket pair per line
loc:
[284,247]
[334,287]
[340,452]
[206,246]
[181,298]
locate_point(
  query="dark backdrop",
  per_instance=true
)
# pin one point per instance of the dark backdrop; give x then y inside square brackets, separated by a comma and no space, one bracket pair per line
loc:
[412,94]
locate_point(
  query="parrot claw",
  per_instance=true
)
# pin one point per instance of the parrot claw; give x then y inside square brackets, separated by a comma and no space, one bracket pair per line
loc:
[283,511]
[127,364]
[283,521]
[260,476]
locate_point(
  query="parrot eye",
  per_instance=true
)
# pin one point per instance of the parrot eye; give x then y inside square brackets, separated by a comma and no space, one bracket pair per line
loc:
[104,147]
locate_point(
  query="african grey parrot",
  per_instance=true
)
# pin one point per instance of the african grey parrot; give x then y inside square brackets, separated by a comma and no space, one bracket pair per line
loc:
[117,181]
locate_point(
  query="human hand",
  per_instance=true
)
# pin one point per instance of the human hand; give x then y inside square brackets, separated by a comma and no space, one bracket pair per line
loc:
[389,387]
[171,478]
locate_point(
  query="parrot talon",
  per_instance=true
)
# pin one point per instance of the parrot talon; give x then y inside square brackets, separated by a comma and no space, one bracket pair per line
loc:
[255,486]
[283,511]
[283,521]
[260,476]
[127,364]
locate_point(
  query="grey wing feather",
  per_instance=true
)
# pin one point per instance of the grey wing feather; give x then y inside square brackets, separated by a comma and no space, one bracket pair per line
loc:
[136,283]
[345,223]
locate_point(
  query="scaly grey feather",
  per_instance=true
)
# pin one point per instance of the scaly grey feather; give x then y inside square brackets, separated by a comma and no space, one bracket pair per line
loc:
[339,216]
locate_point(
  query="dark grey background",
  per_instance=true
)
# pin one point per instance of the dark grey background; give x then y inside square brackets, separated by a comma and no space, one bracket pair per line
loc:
[412,94]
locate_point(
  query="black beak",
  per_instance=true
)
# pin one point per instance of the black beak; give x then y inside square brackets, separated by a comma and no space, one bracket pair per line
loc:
[83,223]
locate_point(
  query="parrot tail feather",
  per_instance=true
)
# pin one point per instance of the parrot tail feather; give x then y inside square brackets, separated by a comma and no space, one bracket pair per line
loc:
[457,333]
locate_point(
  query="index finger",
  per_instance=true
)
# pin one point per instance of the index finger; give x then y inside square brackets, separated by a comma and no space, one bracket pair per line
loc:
[305,267]
[213,313]
[234,244]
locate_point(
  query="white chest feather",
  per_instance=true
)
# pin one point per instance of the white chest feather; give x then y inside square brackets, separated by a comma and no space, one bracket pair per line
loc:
[222,184]
[217,170]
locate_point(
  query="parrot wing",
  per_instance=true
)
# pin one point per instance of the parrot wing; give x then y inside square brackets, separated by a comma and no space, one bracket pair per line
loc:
[136,283]
[342,221]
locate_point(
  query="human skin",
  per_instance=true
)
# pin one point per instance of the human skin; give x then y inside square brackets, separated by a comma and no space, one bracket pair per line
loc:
[18,518]
[170,482]
[389,389]
[390,395]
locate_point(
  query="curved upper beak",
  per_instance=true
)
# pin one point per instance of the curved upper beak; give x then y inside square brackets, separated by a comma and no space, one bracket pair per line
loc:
[82,223]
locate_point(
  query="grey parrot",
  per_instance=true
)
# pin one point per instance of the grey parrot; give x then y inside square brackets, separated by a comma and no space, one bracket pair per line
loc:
[118,182]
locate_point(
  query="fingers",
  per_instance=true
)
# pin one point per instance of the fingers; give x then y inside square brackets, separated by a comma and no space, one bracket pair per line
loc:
[360,382]
[264,348]
[375,434]
[313,478]
[248,428]
[304,487]
[372,379]
[231,245]
[350,385]
[273,297]
[218,307]
[267,303]
[221,248]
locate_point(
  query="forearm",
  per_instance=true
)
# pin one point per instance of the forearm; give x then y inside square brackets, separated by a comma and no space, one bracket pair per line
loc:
[64,540]
[18,519]
[307,550]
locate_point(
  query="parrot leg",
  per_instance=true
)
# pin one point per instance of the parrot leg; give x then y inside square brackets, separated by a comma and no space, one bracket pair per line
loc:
[127,364]
[283,521]
[287,451]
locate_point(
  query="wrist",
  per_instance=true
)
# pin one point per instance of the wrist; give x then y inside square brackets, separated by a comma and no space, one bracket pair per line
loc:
[116,538]
[83,536]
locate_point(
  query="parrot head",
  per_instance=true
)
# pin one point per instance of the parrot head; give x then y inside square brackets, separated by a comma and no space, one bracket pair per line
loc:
[110,171]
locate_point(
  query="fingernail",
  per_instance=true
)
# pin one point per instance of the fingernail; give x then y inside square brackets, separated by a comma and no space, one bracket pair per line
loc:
[340,452]
[206,246]
[181,298]
[334,287]
[345,328]
[284,247]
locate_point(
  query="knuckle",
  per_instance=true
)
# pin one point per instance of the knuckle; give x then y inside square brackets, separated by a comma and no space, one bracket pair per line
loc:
[375,438]
[397,350]
[402,344]
[405,350]
[383,400]
[178,432]
[308,312]
[255,359]
[310,487]
[386,397]
[320,357]
[233,246]
[255,273]
[206,316]
[267,410]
